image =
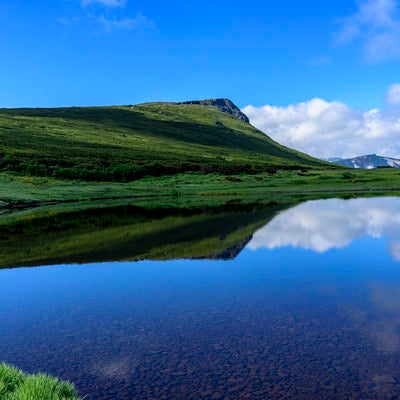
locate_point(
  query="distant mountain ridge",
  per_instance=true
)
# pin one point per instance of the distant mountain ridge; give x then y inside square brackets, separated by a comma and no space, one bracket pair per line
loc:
[368,161]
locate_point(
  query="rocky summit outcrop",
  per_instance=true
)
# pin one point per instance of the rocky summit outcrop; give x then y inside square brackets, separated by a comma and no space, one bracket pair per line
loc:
[224,105]
[230,252]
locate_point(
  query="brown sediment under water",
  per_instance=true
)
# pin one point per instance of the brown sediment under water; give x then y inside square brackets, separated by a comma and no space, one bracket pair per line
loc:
[309,309]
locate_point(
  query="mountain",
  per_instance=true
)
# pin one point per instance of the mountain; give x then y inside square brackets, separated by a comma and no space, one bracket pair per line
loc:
[369,161]
[122,143]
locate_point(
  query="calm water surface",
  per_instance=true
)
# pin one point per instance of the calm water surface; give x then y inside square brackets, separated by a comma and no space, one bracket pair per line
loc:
[309,309]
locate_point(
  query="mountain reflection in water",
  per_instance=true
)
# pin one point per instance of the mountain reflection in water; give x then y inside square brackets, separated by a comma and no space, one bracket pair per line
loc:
[54,236]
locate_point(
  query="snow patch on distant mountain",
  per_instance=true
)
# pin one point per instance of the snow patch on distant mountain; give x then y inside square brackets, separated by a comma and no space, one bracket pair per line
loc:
[369,161]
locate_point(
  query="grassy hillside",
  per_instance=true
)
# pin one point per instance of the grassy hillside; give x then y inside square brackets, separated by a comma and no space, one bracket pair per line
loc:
[128,142]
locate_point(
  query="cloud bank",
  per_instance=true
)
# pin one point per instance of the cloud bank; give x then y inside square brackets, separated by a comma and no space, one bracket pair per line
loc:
[329,129]
[376,24]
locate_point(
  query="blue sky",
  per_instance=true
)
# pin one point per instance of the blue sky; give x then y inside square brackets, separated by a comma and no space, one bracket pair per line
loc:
[258,53]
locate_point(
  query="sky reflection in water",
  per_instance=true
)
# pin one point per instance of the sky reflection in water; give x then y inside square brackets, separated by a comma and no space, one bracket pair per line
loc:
[325,224]
[278,321]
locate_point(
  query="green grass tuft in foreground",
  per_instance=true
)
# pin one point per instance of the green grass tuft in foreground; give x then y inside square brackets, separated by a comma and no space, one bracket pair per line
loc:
[15,385]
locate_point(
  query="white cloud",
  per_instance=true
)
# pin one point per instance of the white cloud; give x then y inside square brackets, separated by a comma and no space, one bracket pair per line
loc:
[376,23]
[105,3]
[322,225]
[394,249]
[137,23]
[110,20]
[393,94]
[328,129]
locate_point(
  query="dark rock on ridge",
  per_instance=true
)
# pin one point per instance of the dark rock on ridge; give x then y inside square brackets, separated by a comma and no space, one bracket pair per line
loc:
[224,105]
[230,252]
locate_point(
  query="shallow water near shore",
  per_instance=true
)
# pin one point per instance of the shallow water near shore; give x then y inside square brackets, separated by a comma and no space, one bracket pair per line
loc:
[306,307]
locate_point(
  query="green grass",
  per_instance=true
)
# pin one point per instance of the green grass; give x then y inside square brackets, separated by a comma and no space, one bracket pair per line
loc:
[196,189]
[15,385]
[126,143]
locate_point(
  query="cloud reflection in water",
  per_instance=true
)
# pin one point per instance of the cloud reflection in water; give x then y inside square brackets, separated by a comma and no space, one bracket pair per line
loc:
[321,225]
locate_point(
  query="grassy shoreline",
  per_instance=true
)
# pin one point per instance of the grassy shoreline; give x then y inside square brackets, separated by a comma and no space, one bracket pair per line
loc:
[196,188]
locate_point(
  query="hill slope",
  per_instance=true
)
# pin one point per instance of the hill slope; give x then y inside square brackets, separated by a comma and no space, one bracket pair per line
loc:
[127,142]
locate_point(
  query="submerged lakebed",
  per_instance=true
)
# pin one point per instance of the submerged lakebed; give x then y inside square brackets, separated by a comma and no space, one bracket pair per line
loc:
[296,300]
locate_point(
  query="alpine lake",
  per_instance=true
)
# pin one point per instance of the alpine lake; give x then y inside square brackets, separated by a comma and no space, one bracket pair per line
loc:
[292,300]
